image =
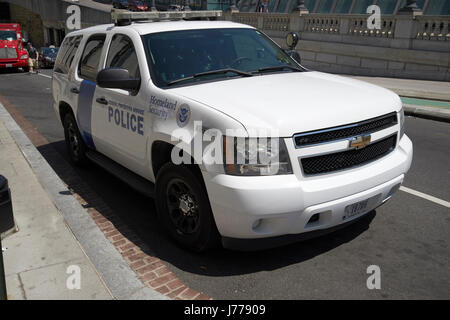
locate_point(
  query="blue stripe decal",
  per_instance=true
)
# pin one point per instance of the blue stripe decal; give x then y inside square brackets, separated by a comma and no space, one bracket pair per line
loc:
[84,111]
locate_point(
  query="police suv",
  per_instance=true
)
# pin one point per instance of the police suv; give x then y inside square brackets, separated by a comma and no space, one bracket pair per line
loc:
[236,141]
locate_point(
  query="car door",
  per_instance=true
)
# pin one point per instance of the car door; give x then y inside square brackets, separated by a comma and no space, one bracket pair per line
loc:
[119,115]
[84,85]
[64,87]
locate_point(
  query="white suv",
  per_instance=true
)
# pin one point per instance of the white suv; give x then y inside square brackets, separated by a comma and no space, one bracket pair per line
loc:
[134,98]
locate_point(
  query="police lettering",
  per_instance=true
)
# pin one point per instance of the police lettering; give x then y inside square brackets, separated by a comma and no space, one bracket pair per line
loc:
[126,120]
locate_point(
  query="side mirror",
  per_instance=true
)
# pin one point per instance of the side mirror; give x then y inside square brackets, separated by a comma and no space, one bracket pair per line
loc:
[116,78]
[291,41]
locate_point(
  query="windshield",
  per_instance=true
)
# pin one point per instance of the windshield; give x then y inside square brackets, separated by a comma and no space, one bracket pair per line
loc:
[177,55]
[50,52]
[8,35]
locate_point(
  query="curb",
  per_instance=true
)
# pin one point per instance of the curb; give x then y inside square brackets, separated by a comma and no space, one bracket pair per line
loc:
[429,113]
[120,279]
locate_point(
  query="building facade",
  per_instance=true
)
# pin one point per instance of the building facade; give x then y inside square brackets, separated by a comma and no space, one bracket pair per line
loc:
[429,7]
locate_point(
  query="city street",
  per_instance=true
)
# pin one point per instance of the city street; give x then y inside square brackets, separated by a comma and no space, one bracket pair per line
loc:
[408,238]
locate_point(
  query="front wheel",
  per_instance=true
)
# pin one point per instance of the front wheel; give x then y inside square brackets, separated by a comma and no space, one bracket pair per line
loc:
[184,209]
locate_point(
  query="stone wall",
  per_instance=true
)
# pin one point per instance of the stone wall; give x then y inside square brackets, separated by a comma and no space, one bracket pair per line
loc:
[31,23]
[406,46]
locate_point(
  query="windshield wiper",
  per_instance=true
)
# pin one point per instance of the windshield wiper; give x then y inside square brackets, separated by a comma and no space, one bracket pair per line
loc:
[208,73]
[277,68]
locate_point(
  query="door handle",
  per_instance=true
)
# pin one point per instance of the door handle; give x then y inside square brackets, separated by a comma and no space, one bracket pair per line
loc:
[75,90]
[102,100]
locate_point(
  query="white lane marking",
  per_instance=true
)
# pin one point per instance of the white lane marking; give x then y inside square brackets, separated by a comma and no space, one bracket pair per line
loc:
[426,196]
[44,75]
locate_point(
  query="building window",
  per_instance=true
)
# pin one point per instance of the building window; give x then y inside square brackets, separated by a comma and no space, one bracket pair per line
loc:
[387,6]
[325,6]
[282,5]
[309,4]
[343,6]
[361,6]
[438,7]
[420,4]
[272,5]
[252,6]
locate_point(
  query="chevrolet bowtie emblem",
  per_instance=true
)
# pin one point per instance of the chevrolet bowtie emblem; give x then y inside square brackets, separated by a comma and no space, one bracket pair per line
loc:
[360,142]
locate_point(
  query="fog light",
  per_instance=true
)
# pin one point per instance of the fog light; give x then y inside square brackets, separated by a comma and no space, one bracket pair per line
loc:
[256,224]
[314,218]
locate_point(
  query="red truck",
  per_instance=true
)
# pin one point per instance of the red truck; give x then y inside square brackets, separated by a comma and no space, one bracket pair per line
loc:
[12,53]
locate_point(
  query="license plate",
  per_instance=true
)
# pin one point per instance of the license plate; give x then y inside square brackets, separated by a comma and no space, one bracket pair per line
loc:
[356,208]
[9,65]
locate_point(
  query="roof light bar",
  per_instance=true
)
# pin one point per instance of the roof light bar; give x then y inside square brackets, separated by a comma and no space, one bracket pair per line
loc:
[124,17]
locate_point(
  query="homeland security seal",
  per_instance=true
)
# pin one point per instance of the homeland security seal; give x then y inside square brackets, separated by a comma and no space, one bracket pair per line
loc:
[183,115]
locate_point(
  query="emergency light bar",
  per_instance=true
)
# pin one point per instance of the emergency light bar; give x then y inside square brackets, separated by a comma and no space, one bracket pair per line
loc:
[122,17]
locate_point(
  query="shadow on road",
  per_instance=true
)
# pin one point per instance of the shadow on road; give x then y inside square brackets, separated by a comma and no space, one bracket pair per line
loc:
[138,214]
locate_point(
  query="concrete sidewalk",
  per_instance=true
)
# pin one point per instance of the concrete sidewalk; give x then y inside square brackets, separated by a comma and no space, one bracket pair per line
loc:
[422,89]
[56,234]
[38,256]
[413,93]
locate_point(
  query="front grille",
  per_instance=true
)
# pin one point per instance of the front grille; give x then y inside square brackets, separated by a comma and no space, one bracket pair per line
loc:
[342,132]
[8,53]
[347,159]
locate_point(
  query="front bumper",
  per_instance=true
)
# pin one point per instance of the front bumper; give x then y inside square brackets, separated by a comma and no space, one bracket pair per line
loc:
[14,64]
[247,208]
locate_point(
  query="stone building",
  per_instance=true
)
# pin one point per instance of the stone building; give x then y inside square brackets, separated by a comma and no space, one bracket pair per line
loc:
[411,41]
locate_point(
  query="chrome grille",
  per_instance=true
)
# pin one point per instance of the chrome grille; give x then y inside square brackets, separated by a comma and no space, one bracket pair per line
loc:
[350,158]
[344,132]
[8,53]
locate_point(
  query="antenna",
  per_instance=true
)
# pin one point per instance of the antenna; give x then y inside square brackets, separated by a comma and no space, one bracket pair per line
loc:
[122,17]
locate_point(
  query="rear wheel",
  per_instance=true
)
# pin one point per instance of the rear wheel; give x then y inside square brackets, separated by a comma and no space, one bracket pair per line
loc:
[184,209]
[74,141]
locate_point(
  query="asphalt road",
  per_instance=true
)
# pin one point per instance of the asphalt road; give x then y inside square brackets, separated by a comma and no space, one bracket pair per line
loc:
[408,238]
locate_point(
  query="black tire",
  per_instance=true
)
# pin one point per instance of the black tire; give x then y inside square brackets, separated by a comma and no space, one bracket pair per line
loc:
[74,142]
[192,227]
[26,69]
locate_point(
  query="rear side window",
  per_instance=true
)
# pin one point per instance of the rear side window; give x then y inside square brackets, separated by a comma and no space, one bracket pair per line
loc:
[66,54]
[123,55]
[90,59]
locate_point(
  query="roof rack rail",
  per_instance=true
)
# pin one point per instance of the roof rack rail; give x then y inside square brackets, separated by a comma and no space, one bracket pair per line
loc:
[122,17]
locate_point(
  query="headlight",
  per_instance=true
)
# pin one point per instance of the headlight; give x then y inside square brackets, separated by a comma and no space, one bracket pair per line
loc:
[402,122]
[256,156]
[25,56]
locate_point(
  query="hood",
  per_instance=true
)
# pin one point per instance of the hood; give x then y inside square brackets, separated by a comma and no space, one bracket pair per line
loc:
[294,102]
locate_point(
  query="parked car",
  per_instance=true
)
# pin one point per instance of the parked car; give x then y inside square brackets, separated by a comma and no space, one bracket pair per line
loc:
[296,153]
[137,6]
[173,7]
[47,57]
[120,4]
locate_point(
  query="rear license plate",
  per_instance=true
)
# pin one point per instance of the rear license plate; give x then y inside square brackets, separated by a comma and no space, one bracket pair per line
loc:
[356,208]
[9,65]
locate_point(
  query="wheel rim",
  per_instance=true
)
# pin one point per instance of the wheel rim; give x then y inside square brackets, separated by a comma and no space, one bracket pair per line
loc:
[73,139]
[183,207]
